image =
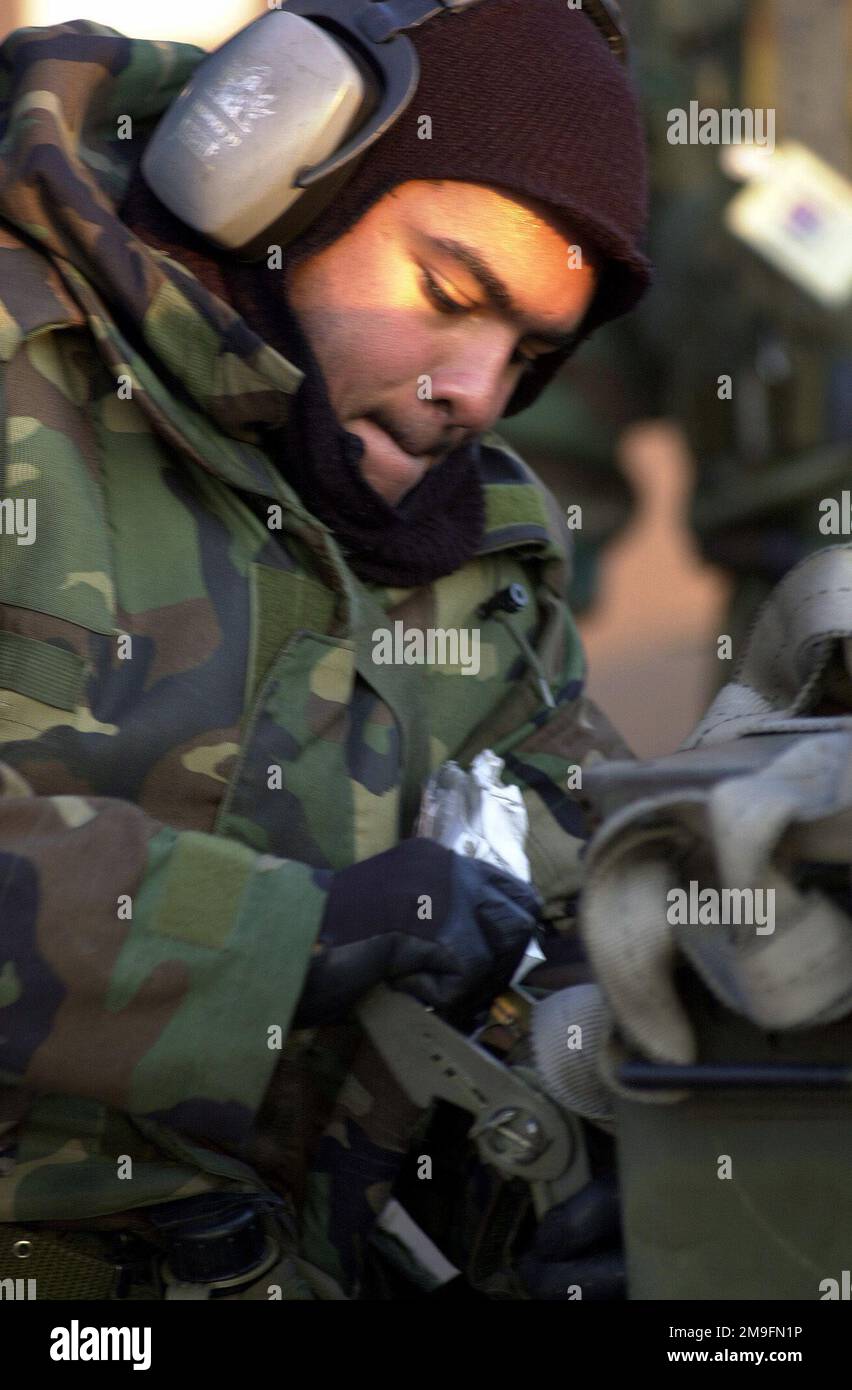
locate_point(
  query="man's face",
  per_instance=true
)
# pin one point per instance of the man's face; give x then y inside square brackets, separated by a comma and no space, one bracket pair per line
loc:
[423,316]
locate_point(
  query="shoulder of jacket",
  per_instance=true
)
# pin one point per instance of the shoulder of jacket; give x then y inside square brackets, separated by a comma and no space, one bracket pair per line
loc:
[91,77]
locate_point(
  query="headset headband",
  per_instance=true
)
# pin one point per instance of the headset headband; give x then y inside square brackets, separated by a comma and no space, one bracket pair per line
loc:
[385,18]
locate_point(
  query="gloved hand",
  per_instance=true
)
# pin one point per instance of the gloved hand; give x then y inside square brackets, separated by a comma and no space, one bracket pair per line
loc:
[578,1245]
[448,929]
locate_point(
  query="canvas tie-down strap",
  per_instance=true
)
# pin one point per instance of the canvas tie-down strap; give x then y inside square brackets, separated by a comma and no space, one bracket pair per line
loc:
[794,637]
[741,835]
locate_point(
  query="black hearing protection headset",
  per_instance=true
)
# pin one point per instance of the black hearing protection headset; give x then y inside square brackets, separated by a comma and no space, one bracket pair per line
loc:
[275,121]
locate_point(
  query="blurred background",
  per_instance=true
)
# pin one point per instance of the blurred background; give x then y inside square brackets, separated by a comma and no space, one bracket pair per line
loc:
[694,504]
[192,21]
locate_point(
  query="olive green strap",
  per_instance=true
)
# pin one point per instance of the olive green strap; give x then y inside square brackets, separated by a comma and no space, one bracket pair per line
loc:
[54,1265]
[41,671]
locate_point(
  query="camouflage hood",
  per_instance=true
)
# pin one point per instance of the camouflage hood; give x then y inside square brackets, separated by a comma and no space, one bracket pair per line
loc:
[64,169]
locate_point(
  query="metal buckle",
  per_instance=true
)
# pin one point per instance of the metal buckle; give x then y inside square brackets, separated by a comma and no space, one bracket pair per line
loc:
[517,1129]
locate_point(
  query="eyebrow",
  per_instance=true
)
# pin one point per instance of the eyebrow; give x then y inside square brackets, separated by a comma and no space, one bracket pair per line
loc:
[495,289]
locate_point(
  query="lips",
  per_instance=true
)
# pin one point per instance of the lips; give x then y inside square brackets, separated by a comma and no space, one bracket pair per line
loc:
[385,461]
[400,443]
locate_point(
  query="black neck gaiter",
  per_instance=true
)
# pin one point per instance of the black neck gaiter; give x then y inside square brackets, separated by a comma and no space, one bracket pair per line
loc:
[436,528]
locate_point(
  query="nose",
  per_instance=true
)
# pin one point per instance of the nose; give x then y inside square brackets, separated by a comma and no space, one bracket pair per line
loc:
[476,379]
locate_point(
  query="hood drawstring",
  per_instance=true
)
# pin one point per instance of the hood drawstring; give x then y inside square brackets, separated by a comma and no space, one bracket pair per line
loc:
[501,605]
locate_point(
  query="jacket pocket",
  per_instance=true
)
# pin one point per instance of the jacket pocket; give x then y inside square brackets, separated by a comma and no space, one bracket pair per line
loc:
[41,671]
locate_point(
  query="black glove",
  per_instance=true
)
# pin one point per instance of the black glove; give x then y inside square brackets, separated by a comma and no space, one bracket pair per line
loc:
[578,1244]
[445,928]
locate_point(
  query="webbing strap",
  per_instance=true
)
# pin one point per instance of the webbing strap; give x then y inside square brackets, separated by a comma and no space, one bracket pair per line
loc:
[61,1265]
[788,649]
[41,671]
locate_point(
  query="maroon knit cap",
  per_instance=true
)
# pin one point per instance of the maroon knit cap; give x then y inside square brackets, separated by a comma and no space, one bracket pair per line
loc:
[525,96]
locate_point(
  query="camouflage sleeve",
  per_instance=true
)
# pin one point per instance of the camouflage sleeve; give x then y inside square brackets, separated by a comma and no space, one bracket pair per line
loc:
[142,966]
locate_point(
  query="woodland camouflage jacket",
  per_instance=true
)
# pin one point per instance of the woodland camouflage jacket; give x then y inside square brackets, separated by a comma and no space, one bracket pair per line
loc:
[165,800]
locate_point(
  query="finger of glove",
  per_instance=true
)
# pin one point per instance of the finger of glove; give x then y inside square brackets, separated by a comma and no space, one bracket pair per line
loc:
[505,921]
[519,891]
[439,992]
[413,957]
[484,878]
[481,934]
[596,1279]
[338,978]
[470,986]
[589,1218]
[458,978]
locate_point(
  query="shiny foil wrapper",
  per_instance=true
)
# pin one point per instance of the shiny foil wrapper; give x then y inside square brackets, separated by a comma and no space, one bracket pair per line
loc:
[475,814]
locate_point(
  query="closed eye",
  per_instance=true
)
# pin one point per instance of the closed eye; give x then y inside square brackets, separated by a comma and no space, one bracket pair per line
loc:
[446,305]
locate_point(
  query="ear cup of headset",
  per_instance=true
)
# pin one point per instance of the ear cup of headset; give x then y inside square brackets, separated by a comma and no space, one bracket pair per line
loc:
[313,200]
[278,99]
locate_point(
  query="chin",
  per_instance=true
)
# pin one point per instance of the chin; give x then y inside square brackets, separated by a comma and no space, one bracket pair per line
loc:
[391,490]
[386,467]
